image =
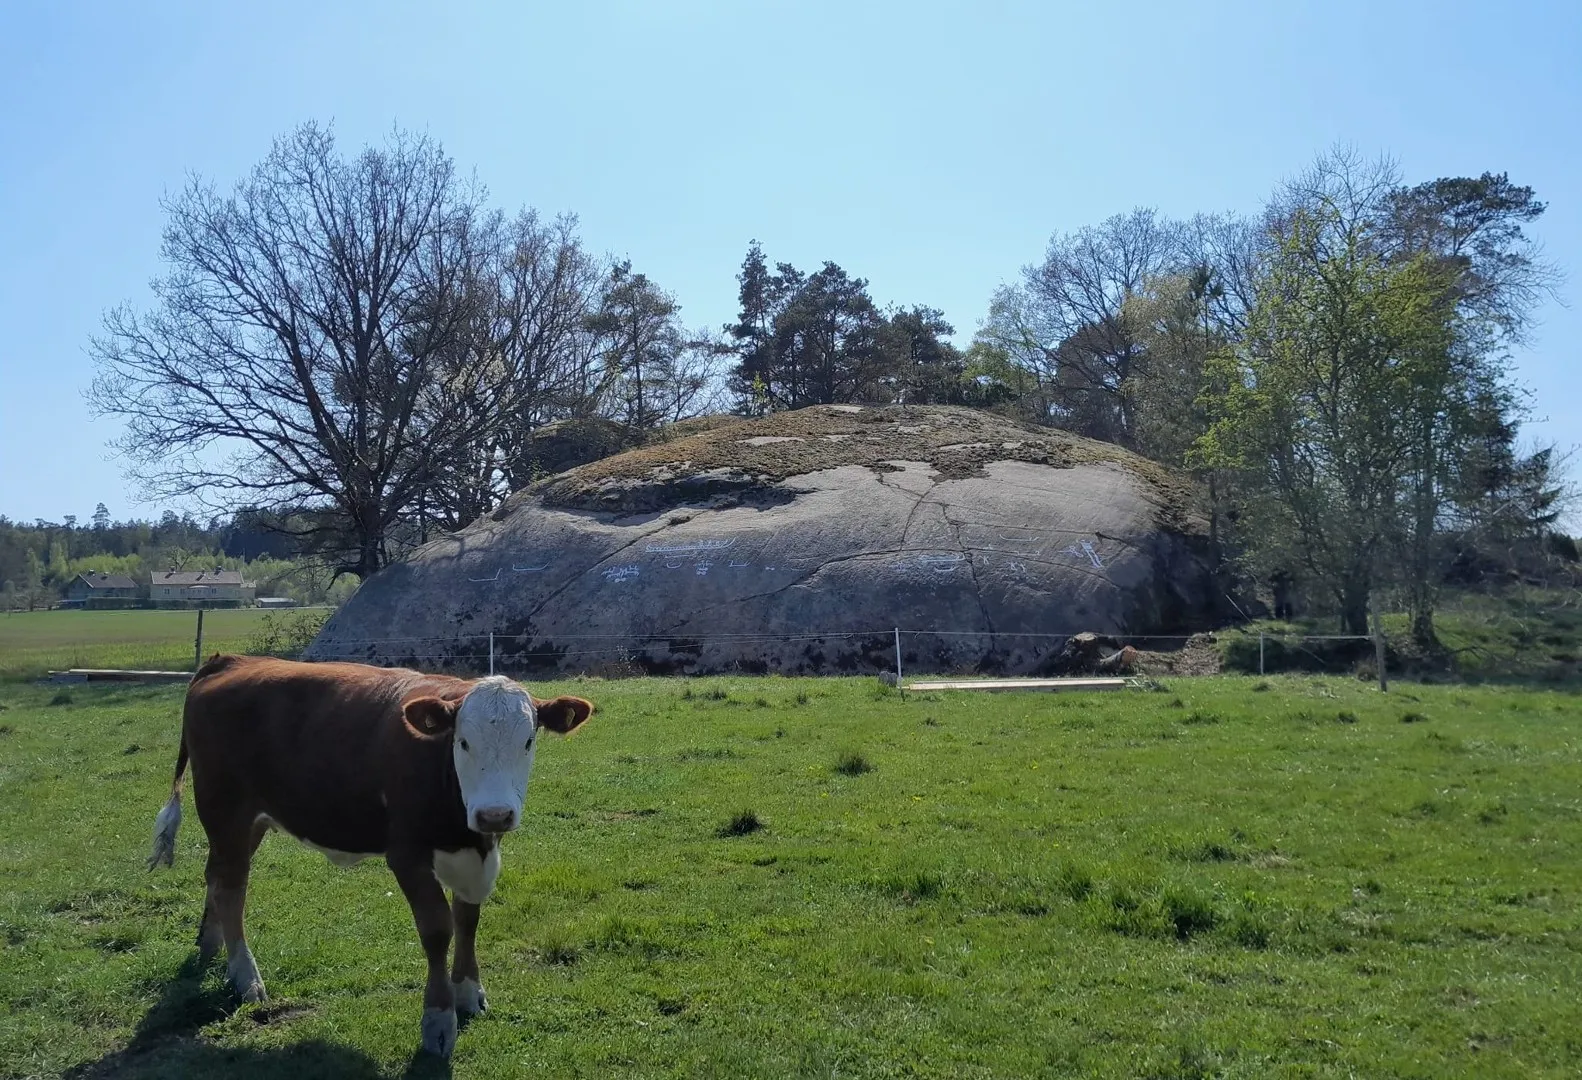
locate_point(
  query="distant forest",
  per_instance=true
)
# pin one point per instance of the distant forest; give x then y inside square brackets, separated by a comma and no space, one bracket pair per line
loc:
[39,559]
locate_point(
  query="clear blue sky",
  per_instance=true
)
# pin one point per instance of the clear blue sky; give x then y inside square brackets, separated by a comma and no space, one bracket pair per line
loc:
[931,148]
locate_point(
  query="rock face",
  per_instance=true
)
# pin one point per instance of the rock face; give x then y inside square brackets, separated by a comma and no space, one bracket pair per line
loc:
[798,544]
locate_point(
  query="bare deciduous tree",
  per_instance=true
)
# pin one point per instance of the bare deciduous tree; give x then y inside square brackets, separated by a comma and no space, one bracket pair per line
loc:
[697,379]
[656,372]
[528,327]
[1067,320]
[298,335]
[1228,252]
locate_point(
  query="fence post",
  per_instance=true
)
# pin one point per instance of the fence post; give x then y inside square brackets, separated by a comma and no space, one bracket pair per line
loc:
[197,645]
[1260,652]
[491,652]
[1378,645]
[898,659]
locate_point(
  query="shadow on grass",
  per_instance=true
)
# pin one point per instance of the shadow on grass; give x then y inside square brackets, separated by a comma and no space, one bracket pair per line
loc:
[167,1043]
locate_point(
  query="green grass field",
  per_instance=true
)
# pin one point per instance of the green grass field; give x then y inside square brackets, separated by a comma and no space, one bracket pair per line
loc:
[1291,878]
[33,643]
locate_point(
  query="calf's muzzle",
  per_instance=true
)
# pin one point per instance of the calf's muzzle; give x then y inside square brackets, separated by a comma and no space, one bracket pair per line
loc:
[494,819]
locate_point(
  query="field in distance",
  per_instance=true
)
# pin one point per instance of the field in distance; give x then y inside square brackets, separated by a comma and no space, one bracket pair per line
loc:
[773,877]
[35,642]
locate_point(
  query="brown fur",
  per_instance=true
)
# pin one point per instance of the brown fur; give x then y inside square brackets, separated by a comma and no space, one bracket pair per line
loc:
[348,757]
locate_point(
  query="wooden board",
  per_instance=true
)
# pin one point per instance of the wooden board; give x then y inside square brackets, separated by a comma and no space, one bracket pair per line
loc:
[1046,685]
[118,675]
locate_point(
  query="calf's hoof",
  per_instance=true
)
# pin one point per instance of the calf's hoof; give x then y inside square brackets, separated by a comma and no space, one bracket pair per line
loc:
[470,998]
[253,993]
[439,1031]
[244,976]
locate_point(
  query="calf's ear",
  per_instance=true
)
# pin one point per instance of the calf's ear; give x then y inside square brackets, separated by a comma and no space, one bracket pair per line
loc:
[564,714]
[429,717]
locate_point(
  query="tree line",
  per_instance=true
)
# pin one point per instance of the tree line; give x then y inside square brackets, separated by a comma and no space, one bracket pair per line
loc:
[360,349]
[39,559]
[1336,370]
[816,339]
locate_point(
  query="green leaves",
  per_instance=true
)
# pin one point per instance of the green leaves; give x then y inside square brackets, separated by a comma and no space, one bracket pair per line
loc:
[1340,398]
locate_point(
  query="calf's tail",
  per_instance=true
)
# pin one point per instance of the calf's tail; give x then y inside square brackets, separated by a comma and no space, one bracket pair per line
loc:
[169,819]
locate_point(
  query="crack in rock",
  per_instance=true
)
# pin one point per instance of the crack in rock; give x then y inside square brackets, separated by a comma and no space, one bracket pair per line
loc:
[584,575]
[977,589]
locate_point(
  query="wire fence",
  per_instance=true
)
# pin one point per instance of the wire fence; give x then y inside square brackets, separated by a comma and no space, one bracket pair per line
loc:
[901,651]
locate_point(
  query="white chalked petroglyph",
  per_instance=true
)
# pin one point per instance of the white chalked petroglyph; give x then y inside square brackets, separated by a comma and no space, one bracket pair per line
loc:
[1085,548]
[690,547]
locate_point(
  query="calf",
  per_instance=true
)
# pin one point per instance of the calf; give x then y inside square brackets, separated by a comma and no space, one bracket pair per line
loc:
[427,770]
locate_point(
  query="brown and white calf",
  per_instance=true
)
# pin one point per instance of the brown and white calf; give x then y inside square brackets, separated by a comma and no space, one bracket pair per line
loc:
[355,761]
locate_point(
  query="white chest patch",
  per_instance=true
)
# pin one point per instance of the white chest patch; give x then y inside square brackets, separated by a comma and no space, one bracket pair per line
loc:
[467,874]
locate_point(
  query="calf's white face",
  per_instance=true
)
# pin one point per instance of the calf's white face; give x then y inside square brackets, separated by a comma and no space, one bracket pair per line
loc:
[493,733]
[493,747]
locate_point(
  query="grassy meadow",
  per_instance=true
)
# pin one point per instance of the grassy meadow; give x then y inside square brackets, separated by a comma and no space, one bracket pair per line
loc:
[33,643]
[774,877]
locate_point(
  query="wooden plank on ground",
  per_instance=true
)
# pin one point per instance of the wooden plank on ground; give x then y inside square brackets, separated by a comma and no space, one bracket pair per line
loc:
[118,675]
[994,685]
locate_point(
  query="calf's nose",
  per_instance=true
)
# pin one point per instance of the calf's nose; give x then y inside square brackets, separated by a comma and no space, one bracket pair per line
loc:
[494,819]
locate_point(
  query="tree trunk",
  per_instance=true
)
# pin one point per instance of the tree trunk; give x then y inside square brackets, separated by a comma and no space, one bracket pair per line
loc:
[370,545]
[1423,628]
[1424,582]
[1354,606]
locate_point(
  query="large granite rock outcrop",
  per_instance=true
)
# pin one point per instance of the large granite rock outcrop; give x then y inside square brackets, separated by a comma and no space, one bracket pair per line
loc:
[796,544]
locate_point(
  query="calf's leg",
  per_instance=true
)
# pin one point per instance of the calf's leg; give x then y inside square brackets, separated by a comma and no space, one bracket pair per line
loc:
[230,860]
[415,874]
[210,936]
[470,999]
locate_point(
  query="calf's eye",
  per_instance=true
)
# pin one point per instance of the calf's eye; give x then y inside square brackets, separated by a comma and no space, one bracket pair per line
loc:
[464,746]
[529,745]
